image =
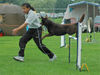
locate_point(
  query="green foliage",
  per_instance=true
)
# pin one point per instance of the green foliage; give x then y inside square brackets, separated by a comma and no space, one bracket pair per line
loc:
[61,4]
[49,5]
[18,2]
[96,1]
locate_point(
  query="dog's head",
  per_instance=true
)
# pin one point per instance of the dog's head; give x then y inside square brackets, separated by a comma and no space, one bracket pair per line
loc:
[44,20]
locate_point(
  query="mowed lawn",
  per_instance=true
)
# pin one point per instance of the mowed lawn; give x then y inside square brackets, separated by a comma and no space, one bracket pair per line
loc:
[36,63]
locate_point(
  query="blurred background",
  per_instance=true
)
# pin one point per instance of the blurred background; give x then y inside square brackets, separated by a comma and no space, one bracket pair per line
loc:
[11,15]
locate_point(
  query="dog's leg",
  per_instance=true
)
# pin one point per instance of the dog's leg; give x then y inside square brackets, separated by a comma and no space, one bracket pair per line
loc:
[47,35]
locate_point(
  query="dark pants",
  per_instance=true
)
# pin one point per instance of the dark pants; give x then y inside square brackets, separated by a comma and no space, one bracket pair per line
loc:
[36,35]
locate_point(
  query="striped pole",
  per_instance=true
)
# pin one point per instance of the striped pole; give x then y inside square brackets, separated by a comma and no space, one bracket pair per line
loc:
[78,60]
[79,46]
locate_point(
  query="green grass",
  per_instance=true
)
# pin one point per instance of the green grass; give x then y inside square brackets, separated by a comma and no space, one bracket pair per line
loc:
[59,20]
[36,63]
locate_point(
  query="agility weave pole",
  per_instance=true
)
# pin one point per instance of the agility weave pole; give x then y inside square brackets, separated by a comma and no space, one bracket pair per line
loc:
[78,61]
[70,37]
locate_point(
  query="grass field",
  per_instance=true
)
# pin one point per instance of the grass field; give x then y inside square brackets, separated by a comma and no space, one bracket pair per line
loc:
[36,63]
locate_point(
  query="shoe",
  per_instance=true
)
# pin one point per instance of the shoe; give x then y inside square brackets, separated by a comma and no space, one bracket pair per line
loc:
[19,58]
[53,58]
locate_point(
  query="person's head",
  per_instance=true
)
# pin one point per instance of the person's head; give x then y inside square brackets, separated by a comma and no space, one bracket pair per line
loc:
[26,8]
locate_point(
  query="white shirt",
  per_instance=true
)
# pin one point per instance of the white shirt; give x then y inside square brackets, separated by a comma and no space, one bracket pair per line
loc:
[32,19]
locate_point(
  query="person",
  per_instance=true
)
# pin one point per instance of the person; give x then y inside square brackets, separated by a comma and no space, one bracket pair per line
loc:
[27,25]
[34,31]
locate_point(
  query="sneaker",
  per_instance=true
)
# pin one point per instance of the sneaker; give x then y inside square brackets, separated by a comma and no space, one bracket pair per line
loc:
[53,58]
[19,58]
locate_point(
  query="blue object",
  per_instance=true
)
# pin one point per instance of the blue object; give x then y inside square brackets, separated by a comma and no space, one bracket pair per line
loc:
[71,9]
[27,28]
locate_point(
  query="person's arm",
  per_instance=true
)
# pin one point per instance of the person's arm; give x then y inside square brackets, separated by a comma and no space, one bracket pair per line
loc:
[30,19]
[19,28]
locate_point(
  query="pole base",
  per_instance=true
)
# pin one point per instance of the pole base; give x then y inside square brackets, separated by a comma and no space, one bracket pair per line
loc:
[81,69]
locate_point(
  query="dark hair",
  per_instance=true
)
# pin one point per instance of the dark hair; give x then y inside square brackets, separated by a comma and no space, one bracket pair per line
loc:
[28,6]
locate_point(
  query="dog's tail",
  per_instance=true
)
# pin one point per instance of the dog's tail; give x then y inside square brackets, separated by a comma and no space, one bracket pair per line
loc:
[82,18]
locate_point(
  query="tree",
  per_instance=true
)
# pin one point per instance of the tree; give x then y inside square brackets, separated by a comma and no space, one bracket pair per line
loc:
[18,2]
[61,4]
[47,4]
[97,1]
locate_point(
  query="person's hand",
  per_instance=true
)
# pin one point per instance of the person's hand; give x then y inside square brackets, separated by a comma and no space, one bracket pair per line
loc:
[14,31]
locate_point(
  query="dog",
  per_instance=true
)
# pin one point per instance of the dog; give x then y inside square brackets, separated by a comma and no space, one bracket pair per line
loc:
[60,29]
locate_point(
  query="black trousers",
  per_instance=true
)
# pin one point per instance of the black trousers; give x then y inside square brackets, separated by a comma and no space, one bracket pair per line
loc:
[36,35]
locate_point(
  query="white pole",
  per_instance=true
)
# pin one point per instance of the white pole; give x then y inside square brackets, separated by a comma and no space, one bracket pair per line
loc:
[63,39]
[79,46]
[94,22]
[87,19]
